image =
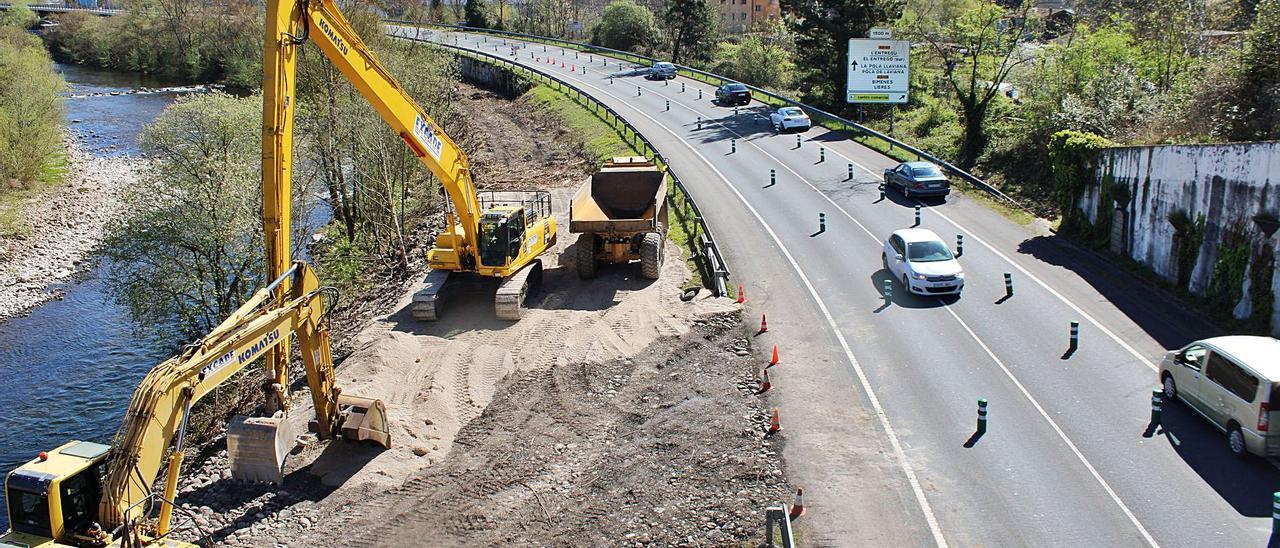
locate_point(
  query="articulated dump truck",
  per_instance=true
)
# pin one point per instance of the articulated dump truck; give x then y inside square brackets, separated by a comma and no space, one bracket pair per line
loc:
[621,214]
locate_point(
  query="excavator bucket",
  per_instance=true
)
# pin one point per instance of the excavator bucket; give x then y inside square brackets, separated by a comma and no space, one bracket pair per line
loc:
[257,447]
[364,419]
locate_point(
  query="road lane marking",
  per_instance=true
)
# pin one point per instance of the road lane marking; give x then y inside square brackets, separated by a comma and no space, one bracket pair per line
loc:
[1128,513]
[899,453]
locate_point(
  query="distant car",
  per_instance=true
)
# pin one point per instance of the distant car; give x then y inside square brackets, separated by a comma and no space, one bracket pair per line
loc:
[733,95]
[918,179]
[661,71]
[789,118]
[1232,381]
[923,262]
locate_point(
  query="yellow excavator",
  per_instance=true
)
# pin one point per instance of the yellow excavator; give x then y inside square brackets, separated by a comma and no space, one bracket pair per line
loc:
[92,495]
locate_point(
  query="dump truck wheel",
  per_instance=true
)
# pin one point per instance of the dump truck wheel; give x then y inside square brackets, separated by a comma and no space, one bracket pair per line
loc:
[587,265]
[651,255]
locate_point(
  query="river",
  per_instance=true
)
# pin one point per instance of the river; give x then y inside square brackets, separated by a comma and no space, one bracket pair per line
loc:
[70,367]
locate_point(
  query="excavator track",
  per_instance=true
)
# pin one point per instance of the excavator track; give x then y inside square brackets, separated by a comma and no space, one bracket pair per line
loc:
[509,301]
[428,302]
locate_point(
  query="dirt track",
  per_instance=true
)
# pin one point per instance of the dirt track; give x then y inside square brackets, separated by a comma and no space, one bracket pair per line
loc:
[612,413]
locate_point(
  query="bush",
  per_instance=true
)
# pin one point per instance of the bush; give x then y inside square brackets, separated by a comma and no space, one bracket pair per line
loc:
[31,115]
[18,16]
[626,26]
[1071,155]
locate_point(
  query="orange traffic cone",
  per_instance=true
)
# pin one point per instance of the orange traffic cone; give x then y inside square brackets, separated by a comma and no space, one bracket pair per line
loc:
[797,509]
[774,425]
[764,325]
[561,64]
[774,360]
[742,295]
[765,386]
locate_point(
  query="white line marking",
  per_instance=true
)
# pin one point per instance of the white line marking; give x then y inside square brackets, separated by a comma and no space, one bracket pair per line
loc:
[901,455]
[1145,535]
[858,369]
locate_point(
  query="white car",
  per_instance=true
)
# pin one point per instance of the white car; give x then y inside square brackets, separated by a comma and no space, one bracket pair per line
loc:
[786,118]
[923,262]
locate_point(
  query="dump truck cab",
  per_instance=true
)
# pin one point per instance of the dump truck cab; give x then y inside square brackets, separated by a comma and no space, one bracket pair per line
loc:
[53,499]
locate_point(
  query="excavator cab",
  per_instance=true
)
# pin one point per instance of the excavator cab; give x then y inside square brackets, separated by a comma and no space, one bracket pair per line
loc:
[55,496]
[501,235]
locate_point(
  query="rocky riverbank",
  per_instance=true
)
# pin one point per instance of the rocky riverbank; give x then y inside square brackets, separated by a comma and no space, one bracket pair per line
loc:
[63,227]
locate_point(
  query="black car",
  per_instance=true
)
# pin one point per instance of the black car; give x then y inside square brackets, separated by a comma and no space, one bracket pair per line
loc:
[918,179]
[733,95]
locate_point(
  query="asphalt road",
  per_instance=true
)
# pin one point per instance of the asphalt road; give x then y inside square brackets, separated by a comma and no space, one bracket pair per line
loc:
[878,403]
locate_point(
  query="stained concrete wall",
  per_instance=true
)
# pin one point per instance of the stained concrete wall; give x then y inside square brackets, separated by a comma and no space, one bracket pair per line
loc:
[1227,183]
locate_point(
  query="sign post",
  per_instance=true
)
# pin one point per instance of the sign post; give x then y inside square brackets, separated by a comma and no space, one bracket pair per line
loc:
[879,69]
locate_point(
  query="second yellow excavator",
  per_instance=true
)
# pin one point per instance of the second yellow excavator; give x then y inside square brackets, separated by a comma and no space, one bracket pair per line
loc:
[489,234]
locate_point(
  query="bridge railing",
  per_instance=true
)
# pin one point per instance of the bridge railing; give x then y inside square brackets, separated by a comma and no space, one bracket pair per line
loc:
[769,97]
[707,253]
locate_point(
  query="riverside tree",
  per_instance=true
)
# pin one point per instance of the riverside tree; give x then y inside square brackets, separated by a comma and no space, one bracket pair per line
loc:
[190,250]
[31,115]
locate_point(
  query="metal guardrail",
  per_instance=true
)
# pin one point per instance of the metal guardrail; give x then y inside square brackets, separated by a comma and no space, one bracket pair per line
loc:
[716,79]
[776,517]
[706,243]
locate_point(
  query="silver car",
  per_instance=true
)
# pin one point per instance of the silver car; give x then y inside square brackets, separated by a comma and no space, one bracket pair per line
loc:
[923,262]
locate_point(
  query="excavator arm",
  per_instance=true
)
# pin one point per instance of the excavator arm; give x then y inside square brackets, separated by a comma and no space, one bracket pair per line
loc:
[161,405]
[292,23]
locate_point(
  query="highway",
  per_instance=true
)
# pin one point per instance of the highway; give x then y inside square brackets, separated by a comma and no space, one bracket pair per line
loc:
[878,401]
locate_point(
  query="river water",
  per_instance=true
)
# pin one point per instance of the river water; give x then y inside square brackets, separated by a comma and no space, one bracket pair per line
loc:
[69,368]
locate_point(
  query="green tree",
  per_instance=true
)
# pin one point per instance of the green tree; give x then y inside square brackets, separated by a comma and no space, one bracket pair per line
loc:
[627,26]
[19,15]
[755,61]
[1259,77]
[31,114]
[377,188]
[477,13]
[978,49]
[691,28]
[190,250]
[822,31]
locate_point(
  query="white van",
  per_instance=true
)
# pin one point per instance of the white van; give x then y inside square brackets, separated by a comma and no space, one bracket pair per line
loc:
[1232,381]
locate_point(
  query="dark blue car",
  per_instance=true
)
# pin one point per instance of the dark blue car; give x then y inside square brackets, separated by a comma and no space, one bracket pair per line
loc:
[918,179]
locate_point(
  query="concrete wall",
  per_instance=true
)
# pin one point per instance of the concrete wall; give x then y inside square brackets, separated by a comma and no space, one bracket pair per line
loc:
[1228,184]
[491,77]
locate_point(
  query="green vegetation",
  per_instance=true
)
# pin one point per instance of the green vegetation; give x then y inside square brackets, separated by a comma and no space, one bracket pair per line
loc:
[31,121]
[190,251]
[216,41]
[476,14]
[822,29]
[18,15]
[1072,153]
[692,29]
[627,26]
[755,60]
[600,140]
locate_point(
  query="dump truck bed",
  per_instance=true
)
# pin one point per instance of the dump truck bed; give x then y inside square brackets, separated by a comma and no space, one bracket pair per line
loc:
[620,198]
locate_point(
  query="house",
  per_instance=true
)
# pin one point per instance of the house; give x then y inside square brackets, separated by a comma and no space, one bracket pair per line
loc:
[740,15]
